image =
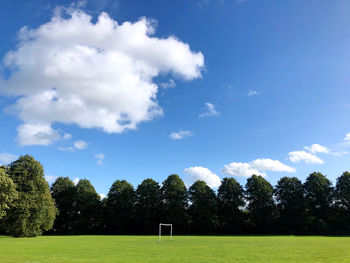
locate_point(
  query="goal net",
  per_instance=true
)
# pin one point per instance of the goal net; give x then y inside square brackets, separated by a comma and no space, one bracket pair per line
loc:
[160,231]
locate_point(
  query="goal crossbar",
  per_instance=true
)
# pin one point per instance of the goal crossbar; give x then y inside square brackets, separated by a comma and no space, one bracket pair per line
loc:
[160,231]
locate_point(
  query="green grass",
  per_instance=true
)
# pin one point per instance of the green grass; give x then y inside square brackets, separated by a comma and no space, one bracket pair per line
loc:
[181,249]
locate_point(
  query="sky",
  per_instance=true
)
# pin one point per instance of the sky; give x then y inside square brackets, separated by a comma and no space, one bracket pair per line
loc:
[207,89]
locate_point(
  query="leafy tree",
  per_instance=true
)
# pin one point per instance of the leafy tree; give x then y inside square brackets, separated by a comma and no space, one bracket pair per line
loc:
[202,210]
[261,206]
[148,206]
[230,199]
[88,208]
[342,190]
[34,210]
[64,192]
[120,208]
[291,205]
[175,199]
[8,192]
[319,197]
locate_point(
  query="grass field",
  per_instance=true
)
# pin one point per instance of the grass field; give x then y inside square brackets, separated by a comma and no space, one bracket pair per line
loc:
[181,249]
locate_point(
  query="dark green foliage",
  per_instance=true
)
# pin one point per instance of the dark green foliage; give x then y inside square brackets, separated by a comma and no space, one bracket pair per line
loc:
[203,208]
[88,208]
[148,207]
[341,222]
[64,192]
[34,210]
[343,191]
[120,208]
[291,206]
[319,197]
[230,200]
[261,206]
[175,201]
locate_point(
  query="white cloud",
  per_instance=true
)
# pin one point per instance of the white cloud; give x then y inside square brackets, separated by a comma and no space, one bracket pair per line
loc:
[204,174]
[76,180]
[253,93]
[95,75]
[170,84]
[241,169]
[100,157]
[80,145]
[180,135]
[67,136]
[65,149]
[347,137]
[257,167]
[6,158]
[298,156]
[36,134]
[271,165]
[317,148]
[103,196]
[211,111]
[50,178]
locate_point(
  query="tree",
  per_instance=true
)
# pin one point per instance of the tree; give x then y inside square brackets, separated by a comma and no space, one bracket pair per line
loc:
[342,193]
[319,197]
[261,206]
[230,199]
[291,205]
[34,210]
[175,199]
[120,208]
[202,210]
[64,192]
[148,206]
[88,208]
[8,192]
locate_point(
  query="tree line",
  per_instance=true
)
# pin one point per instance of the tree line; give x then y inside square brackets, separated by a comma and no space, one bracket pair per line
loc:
[28,207]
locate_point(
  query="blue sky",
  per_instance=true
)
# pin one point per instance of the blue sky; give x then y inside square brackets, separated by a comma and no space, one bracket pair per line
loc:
[204,89]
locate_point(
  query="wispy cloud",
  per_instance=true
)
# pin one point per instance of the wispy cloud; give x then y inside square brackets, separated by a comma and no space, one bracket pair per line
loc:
[180,135]
[166,85]
[80,145]
[211,111]
[253,93]
[100,157]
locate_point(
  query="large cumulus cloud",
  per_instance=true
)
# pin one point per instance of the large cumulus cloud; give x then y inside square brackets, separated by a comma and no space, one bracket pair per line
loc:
[95,75]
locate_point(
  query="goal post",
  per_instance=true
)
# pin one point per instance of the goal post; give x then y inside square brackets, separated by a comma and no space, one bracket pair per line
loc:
[160,231]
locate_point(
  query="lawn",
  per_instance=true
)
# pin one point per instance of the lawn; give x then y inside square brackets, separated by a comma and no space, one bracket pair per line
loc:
[180,249]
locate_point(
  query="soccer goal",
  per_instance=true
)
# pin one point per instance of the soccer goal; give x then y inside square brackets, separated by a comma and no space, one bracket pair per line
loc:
[160,231]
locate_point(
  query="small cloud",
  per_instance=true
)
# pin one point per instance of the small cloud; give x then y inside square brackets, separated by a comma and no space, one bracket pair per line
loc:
[240,1]
[66,149]
[67,136]
[298,156]
[50,178]
[170,84]
[100,157]
[180,135]
[253,93]
[204,174]
[103,196]
[6,158]
[211,111]
[347,137]
[76,180]
[80,145]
